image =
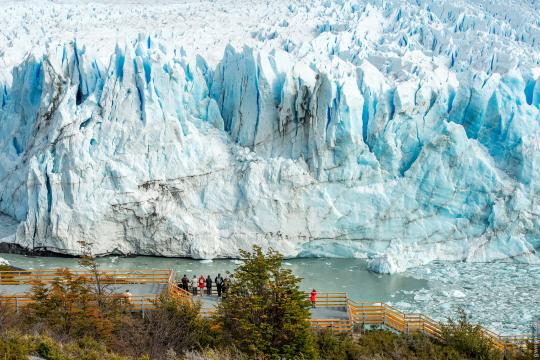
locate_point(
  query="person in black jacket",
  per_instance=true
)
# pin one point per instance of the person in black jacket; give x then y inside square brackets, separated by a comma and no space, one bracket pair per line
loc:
[209,285]
[226,285]
[219,284]
[185,283]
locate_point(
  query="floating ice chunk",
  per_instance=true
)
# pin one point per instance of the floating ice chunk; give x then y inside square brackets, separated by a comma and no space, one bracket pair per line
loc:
[403,305]
[458,294]
[422,295]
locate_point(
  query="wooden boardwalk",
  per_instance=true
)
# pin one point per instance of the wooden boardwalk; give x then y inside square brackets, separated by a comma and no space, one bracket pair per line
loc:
[334,310]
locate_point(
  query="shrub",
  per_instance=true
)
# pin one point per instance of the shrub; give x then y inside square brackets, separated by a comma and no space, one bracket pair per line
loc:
[8,317]
[212,354]
[380,344]
[336,347]
[13,346]
[16,346]
[70,307]
[468,338]
[265,313]
[175,326]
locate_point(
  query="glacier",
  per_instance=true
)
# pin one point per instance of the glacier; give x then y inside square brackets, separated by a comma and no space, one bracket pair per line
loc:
[379,138]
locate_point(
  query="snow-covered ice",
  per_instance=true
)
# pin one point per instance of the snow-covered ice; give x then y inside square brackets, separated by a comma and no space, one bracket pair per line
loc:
[402,132]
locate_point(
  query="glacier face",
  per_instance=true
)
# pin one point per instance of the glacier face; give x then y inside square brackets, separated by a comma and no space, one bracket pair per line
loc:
[379,138]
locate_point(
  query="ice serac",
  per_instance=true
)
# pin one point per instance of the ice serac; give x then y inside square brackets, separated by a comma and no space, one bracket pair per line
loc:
[157,153]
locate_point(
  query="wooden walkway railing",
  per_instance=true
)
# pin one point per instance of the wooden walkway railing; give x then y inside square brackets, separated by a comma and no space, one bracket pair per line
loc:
[106,276]
[380,314]
[140,303]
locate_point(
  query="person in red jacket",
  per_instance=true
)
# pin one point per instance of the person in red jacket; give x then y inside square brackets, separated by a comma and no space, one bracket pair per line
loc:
[313,297]
[202,284]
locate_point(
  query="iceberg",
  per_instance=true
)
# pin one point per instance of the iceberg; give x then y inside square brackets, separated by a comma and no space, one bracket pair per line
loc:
[324,152]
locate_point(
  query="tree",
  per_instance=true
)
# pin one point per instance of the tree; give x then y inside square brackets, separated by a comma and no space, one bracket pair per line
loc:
[265,313]
[468,338]
[88,261]
[69,307]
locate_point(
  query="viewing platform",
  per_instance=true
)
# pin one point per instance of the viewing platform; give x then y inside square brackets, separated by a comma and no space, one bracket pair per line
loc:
[334,311]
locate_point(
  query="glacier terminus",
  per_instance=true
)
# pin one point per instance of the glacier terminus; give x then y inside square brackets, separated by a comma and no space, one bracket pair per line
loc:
[386,133]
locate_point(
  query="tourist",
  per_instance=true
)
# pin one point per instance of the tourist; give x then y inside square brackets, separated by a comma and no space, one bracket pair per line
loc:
[313,297]
[225,287]
[201,284]
[185,283]
[209,286]
[193,285]
[127,296]
[219,284]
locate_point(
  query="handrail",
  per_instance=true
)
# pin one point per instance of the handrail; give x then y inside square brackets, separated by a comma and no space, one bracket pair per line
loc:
[167,271]
[22,277]
[379,313]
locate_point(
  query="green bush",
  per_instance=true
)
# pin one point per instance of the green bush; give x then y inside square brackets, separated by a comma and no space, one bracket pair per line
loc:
[13,346]
[336,347]
[47,349]
[265,314]
[382,345]
[17,346]
[468,338]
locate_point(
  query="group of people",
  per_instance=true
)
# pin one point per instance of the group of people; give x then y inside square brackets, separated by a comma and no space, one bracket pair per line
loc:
[197,285]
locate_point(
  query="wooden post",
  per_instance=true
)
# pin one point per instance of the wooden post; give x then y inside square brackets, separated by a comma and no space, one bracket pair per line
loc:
[142,307]
[363,315]
[16,305]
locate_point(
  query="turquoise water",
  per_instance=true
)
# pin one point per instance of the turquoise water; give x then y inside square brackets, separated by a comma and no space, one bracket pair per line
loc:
[348,275]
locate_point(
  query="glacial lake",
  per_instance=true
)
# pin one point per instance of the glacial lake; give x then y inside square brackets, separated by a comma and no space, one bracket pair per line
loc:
[333,275]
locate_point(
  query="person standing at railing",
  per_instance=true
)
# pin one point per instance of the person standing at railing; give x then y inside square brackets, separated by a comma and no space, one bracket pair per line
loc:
[201,284]
[209,286]
[313,298]
[193,285]
[225,287]
[127,297]
[219,284]
[185,283]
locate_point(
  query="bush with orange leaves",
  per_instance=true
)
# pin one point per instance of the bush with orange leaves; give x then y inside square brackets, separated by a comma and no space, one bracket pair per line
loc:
[70,307]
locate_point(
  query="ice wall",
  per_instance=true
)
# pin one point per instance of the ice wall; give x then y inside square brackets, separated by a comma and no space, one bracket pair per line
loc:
[157,153]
